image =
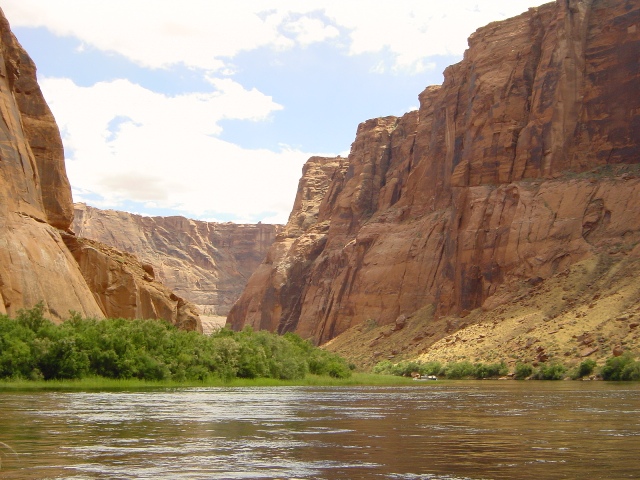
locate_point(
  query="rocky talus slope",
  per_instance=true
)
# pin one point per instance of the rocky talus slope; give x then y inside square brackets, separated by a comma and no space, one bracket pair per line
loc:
[38,251]
[516,171]
[589,310]
[205,263]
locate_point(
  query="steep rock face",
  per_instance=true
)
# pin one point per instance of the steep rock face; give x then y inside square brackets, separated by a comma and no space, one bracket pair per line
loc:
[204,262]
[522,163]
[273,291]
[41,131]
[35,197]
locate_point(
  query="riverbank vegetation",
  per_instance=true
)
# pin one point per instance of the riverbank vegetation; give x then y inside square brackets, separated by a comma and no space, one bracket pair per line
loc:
[623,367]
[119,353]
[33,348]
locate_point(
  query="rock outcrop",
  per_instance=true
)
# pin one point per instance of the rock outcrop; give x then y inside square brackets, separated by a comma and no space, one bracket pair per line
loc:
[205,263]
[38,252]
[126,288]
[523,163]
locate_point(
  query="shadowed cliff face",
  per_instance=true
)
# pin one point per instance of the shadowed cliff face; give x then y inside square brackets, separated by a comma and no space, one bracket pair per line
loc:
[40,260]
[204,262]
[521,164]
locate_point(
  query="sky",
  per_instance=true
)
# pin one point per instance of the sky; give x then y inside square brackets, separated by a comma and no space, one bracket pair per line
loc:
[209,109]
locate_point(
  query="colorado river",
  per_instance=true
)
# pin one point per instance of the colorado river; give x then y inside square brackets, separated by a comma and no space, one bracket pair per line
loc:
[435,430]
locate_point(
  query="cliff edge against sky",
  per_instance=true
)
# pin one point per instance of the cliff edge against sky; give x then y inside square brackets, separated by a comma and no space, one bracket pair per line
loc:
[40,259]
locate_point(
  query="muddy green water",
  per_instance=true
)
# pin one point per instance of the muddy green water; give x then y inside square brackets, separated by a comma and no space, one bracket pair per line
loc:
[435,430]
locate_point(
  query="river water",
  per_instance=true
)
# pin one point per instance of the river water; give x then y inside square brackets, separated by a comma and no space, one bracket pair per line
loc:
[435,430]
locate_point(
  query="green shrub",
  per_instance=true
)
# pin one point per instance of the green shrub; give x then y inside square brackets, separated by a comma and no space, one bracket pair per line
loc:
[63,359]
[384,367]
[15,359]
[224,357]
[337,368]
[33,347]
[552,371]
[631,372]
[492,370]
[34,318]
[623,367]
[451,370]
[585,368]
[456,371]
[522,371]
[252,361]
[616,368]
[407,368]
[322,362]
[432,368]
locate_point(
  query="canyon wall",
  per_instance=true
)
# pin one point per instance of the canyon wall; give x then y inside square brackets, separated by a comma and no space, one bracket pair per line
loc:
[40,259]
[523,163]
[206,263]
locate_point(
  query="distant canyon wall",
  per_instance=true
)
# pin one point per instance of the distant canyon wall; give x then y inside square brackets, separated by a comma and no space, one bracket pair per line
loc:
[522,163]
[206,263]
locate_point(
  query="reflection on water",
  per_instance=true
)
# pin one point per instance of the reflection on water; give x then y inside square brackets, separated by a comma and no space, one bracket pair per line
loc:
[457,430]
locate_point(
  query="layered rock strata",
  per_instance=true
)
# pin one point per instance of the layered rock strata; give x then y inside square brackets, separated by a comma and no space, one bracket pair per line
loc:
[206,263]
[273,295]
[521,164]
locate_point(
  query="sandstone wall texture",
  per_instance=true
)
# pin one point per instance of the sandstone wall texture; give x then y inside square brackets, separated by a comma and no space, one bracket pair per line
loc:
[204,262]
[36,211]
[521,164]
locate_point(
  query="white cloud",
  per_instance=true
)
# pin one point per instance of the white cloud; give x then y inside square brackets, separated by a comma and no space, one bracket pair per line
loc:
[413,30]
[125,142]
[205,34]
[311,30]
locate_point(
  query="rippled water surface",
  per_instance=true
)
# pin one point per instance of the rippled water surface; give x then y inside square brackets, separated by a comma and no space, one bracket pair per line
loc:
[436,430]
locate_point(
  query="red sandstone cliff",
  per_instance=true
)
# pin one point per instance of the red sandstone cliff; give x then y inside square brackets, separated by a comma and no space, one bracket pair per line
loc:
[520,165]
[38,254]
[204,262]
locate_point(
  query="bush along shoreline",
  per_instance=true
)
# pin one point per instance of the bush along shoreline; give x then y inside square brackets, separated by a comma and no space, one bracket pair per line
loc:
[34,348]
[621,368]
